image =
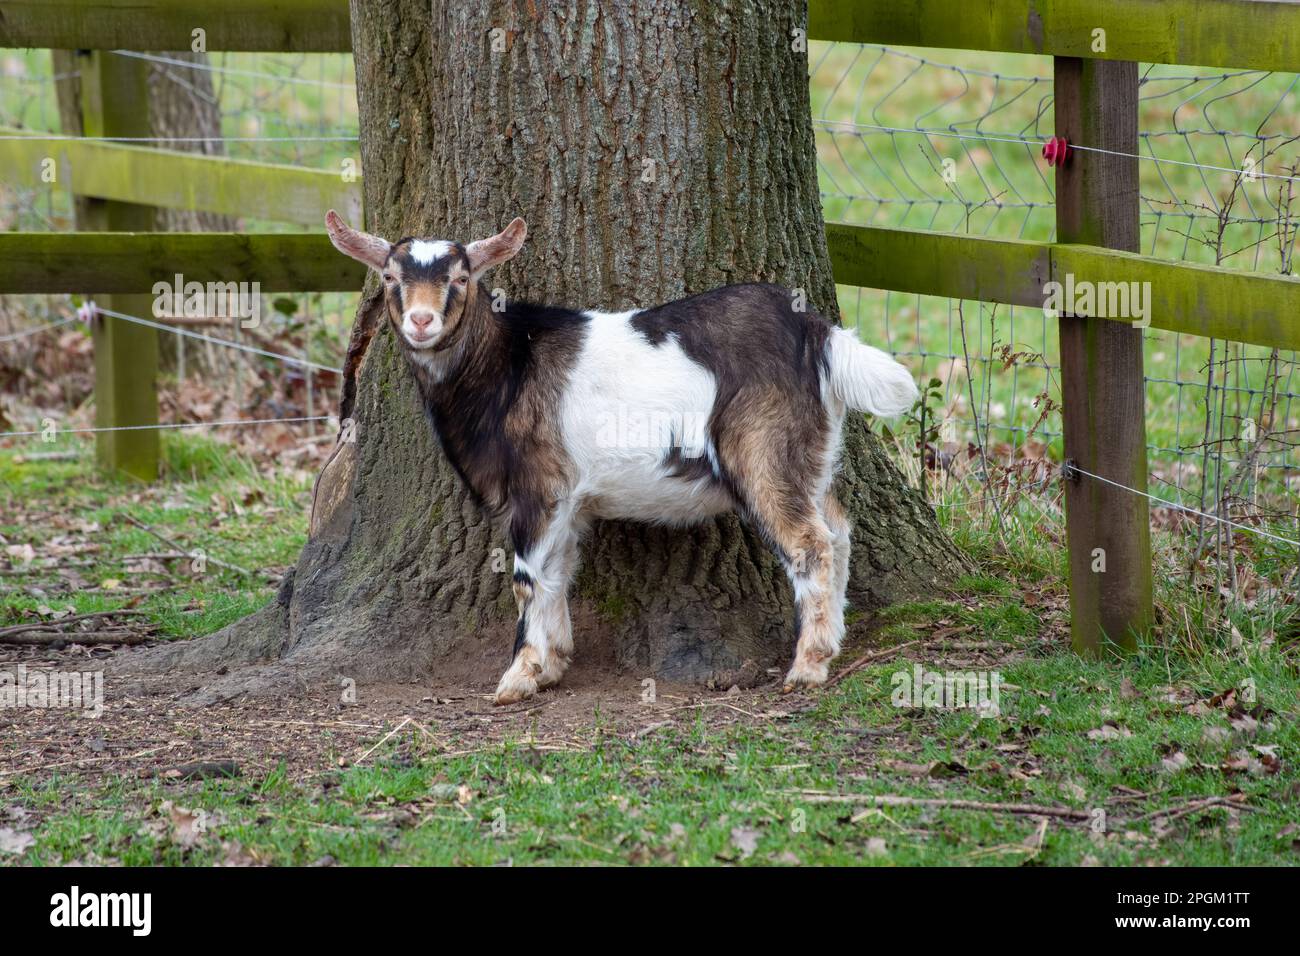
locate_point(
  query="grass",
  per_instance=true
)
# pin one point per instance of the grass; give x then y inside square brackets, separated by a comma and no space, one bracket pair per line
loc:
[700,792]
[212,501]
[701,797]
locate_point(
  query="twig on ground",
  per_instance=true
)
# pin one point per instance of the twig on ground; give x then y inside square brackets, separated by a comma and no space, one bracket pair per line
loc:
[87,638]
[207,557]
[392,733]
[893,800]
[1192,806]
[56,624]
[868,658]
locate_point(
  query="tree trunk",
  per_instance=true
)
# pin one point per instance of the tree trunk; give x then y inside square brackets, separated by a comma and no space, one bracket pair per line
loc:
[655,150]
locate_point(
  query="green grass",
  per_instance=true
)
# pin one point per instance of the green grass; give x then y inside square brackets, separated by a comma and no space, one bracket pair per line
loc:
[698,792]
[200,506]
[680,795]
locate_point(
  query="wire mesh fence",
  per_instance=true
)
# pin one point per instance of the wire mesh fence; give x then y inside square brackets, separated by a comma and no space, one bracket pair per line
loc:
[292,109]
[903,140]
[955,145]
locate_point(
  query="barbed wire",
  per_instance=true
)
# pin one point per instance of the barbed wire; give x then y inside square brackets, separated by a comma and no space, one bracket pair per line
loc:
[1064,471]
[232,71]
[1075,469]
[189,334]
[14,336]
[232,422]
[840,126]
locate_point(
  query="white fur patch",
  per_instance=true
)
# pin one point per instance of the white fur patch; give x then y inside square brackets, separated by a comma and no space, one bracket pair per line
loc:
[627,405]
[425,252]
[867,379]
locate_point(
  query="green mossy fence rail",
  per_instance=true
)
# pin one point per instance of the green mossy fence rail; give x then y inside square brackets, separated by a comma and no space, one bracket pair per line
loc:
[1253,34]
[1211,301]
[125,262]
[176,180]
[1185,298]
[290,26]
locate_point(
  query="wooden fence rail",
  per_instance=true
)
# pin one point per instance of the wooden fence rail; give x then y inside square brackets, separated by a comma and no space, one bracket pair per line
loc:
[293,26]
[1211,301]
[176,180]
[1255,34]
[95,263]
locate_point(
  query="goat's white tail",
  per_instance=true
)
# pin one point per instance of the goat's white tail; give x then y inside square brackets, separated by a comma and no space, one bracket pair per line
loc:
[867,379]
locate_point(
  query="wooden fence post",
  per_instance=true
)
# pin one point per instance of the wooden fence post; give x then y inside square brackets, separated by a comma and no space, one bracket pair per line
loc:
[114,96]
[1102,388]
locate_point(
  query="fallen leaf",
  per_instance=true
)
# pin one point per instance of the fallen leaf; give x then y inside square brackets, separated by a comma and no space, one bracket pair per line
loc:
[1243,723]
[15,841]
[1175,762]
[187,826]
[745,840]
[1109,731]
[1073,790]
[1216,735]
[21,553]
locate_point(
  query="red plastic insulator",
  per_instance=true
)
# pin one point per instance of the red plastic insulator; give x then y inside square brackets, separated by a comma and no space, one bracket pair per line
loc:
[1056,150]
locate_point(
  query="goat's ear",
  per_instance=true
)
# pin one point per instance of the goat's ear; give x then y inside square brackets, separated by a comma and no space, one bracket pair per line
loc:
[361,246]
[486,253]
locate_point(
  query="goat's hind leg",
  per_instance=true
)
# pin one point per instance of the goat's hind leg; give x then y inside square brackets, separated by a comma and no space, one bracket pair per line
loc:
[818,608]
[841,539]
[809,550]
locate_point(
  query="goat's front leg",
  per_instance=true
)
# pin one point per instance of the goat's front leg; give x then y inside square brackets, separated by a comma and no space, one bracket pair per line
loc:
[544,565]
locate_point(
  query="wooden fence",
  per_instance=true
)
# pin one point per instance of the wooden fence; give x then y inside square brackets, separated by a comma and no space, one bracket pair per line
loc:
[1097,216]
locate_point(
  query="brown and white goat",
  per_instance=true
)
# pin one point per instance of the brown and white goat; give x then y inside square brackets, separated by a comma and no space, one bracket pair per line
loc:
[730,400]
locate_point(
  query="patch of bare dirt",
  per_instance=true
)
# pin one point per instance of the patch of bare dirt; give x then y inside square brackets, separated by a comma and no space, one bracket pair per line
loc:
[150,729]
[150,732]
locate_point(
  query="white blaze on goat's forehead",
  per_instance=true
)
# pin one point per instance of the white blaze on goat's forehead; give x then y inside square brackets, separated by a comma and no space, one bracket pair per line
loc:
[425,251]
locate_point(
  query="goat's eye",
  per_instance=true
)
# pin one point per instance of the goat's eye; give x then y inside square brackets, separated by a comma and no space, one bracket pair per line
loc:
[462,280]
[388,277]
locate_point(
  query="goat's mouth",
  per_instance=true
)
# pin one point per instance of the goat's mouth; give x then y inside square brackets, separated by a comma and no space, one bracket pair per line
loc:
[421,340]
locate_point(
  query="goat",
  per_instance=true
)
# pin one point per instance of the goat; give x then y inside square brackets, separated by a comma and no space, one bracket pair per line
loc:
[730,400]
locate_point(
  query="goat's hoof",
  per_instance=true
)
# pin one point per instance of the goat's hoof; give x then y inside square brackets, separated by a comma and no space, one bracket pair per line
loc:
[520,680]
[515,691]
[553,673]
[805,674]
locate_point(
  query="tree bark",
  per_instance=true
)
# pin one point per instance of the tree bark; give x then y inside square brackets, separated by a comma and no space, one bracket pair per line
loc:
[656,150]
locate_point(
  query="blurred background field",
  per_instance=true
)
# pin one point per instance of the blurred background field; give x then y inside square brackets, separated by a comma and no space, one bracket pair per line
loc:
[988,114]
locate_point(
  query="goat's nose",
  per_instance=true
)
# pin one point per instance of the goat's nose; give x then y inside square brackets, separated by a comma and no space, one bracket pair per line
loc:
[421,320]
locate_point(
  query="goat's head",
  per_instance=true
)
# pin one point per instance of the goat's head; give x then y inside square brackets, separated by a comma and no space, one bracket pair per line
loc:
[427,282]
